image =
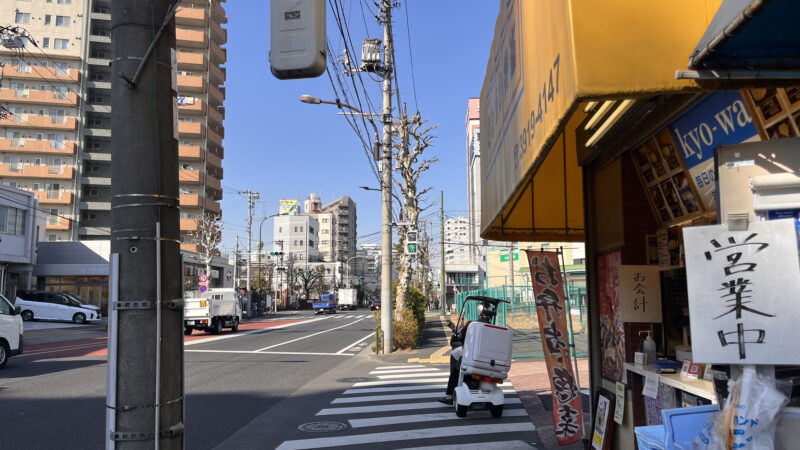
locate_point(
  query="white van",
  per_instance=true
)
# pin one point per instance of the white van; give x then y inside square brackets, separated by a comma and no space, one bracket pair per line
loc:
[10,331]
[54,306]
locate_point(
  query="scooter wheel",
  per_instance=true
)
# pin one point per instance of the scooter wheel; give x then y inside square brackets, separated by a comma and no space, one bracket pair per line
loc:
[497,410]
[461,410]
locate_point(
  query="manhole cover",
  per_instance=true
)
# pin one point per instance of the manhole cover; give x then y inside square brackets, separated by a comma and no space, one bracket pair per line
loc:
[322,427]
[356,379]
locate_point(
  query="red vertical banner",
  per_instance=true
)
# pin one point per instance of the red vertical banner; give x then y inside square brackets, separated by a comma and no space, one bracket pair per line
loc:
[552,313]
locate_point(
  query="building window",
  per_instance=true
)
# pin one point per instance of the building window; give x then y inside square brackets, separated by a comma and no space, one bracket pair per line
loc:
[46,42]
[280,229]
[295,229]
[301,229]
[64,2]
[47,19]
[61,44]
[12,220]
[62,21]
[22,18]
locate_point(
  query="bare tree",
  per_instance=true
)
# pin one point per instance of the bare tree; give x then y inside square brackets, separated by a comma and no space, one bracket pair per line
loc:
[307,279]
[414,138]
[207,237]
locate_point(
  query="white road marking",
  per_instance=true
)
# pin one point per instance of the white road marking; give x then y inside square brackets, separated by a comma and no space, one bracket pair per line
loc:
[411,370]
[308,336]
[391,382]
[423,387]
[99,345]
[413,375]
[413,418]
[499,445]
[395,407]
[381,398]
[408,366]
[256,352]
[356,343]
[423,433]
[245,333]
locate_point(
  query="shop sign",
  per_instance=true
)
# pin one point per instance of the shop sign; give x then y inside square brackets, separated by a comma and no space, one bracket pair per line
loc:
[504,256]
[290,207]
[722,118]
[743,293]
[552,314]
[640,293]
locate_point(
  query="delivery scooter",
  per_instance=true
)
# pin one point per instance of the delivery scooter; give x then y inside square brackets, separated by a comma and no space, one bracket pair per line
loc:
[485,358]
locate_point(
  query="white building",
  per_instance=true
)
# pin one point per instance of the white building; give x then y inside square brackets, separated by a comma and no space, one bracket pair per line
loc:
[456,241]
[297,236]
[20,230]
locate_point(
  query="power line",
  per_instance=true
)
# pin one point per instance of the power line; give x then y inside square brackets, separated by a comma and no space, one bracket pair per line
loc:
[73,221]
[411,57]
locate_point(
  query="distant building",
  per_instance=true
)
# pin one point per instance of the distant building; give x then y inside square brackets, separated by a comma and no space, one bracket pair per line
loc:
[344,228]
[21,226]
[473,127]
[297,236]
[456,241]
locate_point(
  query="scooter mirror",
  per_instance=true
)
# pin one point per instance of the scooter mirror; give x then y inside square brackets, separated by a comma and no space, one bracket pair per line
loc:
[450,324]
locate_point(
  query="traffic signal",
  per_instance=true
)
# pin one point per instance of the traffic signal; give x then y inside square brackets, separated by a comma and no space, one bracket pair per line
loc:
[411,248]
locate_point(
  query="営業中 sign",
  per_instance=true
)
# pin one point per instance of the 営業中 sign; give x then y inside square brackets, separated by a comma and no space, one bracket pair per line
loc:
[743,289]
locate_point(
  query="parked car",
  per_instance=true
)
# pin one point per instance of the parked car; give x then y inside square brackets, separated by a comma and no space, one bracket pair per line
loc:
[375,305]
[54,306]
[10,331]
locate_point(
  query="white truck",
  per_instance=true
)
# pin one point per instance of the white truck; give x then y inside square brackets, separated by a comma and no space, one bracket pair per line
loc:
[348,299]
[212,311]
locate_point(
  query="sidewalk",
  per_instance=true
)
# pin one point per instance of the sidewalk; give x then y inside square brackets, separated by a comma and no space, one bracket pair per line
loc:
[528,375]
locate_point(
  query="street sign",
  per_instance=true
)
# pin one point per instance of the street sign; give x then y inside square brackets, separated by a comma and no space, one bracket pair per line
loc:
[203,289]
[203,278]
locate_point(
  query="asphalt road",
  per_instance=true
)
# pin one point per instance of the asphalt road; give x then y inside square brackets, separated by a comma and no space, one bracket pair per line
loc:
[53,396]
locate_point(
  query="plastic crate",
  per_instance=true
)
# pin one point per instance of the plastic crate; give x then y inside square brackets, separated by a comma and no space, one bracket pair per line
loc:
[650,437]
[681,425]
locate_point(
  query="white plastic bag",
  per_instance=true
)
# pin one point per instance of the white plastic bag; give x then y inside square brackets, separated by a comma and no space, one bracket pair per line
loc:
[749,417]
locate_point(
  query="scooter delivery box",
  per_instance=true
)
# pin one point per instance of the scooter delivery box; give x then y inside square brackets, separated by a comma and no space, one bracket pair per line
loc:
[487,349]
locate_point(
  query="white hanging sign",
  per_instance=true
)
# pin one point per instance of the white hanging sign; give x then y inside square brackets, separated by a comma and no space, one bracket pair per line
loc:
[743,293]
[640,293]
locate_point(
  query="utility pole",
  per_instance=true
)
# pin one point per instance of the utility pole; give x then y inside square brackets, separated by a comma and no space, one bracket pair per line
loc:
[511,266]
[251,198]
[386,184]
[145,390]
[442,280]
[236,263]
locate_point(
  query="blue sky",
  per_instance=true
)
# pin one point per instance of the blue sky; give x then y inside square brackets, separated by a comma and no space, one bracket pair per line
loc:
[286,149]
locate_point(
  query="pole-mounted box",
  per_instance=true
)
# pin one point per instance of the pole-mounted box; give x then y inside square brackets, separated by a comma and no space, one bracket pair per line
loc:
[297,38]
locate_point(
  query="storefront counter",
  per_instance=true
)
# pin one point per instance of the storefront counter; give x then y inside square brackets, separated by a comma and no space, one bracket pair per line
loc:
[700,388]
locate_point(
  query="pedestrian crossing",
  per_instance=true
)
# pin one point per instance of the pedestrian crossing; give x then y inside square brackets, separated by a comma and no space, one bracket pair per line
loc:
[400,409]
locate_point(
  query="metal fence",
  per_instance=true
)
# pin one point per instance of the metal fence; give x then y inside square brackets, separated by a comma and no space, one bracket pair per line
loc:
[520,316]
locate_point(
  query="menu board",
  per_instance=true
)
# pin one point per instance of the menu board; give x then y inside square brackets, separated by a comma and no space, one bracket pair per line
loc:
[777,111]
[665,179]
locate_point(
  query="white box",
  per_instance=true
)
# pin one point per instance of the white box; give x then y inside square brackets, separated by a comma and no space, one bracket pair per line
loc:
[487,347]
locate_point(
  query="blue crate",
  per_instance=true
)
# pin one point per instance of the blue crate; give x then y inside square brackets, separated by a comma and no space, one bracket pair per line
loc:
[650,437]
[681,425]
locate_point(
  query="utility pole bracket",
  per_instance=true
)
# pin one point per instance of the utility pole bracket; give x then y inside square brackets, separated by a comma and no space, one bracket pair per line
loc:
[174,304]
[133,436]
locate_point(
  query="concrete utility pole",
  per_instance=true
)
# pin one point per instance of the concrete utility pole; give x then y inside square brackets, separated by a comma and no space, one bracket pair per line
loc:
[511,267]
[145,397]
[251,198]
[386,184]
[236,263]
[442,280]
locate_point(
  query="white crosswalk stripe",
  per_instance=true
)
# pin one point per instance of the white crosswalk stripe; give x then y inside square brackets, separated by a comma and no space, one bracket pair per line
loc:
[402,410]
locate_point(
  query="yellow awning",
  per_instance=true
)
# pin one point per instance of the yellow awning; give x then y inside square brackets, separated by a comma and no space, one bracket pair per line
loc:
[546,58]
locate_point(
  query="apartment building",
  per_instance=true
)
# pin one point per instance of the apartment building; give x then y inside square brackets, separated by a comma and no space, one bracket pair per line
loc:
[41,88]
[344,228]
[456,241]
[297,235]
[58,141]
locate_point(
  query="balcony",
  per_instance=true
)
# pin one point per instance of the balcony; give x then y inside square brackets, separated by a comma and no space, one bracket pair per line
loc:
[54,198]
[189,247]
[216,96]
[44,172]
[33,146]
[216,74]
[188,225]
[38,97]
[191,38]
[213,183]
[189,176]
[195,17]
[191,83]
[215,117]
[45,122]
[196,107]
[218,54]
[42,73]
[192,61]
[190,152]
[214,137]
[218,13]
[218,34]
[57,224]
[196,201]
[191,130]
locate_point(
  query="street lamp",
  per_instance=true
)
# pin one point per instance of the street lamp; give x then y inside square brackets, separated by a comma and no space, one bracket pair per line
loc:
[305,98]
[386,203]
